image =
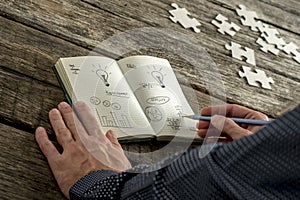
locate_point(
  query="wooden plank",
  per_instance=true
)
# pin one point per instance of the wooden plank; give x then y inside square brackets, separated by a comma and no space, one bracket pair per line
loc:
[25,173]
[73,20]
[88,25]
[64,17]
[33,52]
[24,170]
[25,102]
[34,34]
[282,14]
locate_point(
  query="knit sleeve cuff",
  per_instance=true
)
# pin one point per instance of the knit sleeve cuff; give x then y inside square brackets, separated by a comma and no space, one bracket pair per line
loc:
[78,190]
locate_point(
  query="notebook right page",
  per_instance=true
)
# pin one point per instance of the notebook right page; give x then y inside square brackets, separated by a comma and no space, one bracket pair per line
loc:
[159,94]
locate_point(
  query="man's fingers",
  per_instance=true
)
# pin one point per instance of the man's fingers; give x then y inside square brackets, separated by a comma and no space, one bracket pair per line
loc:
[202,132]
[203,124]
[112,138]
[62,133]
[88,119]
[229,127]
[45,144]
[233,110]
[73,124]
[214,110]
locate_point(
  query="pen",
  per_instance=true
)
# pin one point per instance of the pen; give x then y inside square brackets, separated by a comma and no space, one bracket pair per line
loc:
[237,120]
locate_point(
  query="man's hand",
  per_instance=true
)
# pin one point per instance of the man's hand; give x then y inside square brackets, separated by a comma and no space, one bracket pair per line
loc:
[82,142]
[229,128]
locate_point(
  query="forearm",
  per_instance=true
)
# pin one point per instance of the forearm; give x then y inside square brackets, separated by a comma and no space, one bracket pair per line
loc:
[263,165]
[102,184]
[111,185]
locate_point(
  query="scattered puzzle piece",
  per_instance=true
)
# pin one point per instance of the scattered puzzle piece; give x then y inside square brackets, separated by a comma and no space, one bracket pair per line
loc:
[181,15]
[260,26]
[297,58]
[254,77]
[292,49]
[265,47]
[225,26]
[248,17]
[271,35]
[239,53]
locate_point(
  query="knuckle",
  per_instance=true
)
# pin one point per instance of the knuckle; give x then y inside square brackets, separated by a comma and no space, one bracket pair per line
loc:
[72,126]
[263,116]
[65,108]
[80,106]
[63,131]
[260,115]
[45,144]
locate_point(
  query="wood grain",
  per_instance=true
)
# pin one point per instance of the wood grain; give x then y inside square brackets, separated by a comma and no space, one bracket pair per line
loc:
[25,101]
[64,18]
[24,171]
[35,33]
[31,52]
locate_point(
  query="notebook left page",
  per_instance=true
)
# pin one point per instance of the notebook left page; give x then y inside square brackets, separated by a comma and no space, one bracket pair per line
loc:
[99,82]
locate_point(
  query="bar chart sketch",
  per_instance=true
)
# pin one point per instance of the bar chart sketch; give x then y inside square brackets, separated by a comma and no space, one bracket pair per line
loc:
[114,120]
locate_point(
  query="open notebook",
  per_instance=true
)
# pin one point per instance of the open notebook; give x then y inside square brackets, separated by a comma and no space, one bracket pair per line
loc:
[138,97]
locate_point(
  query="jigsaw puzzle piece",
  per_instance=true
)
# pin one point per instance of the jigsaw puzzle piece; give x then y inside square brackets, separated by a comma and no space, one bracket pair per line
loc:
[248,17]
[239,53]
[224,26]
[181,15]
[292,49]
[274,39]
[177,13]
[297,58]
[271,35]
[266,47]
[253,78]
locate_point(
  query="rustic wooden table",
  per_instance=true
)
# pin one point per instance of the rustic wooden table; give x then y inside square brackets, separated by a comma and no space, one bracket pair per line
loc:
[35,33]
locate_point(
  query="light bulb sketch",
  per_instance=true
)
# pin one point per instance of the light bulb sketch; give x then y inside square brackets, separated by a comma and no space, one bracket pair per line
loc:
[159,77]
[103,75]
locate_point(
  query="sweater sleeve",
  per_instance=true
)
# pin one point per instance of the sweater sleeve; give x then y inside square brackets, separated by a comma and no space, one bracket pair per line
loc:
[86,187]
[264,165]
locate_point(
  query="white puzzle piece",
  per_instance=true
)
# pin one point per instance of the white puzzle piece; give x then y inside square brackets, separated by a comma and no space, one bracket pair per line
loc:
[248,17]
[297,58]
[181,15]
[292,49]
[266,47]
[254,77]
[239,53]
[225,26]
[272,36]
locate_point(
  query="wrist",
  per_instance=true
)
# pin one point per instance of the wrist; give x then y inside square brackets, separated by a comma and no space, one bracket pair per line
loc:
[85,183]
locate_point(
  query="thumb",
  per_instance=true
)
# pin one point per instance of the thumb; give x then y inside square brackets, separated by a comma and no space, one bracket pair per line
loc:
[229,127]
[112,137]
